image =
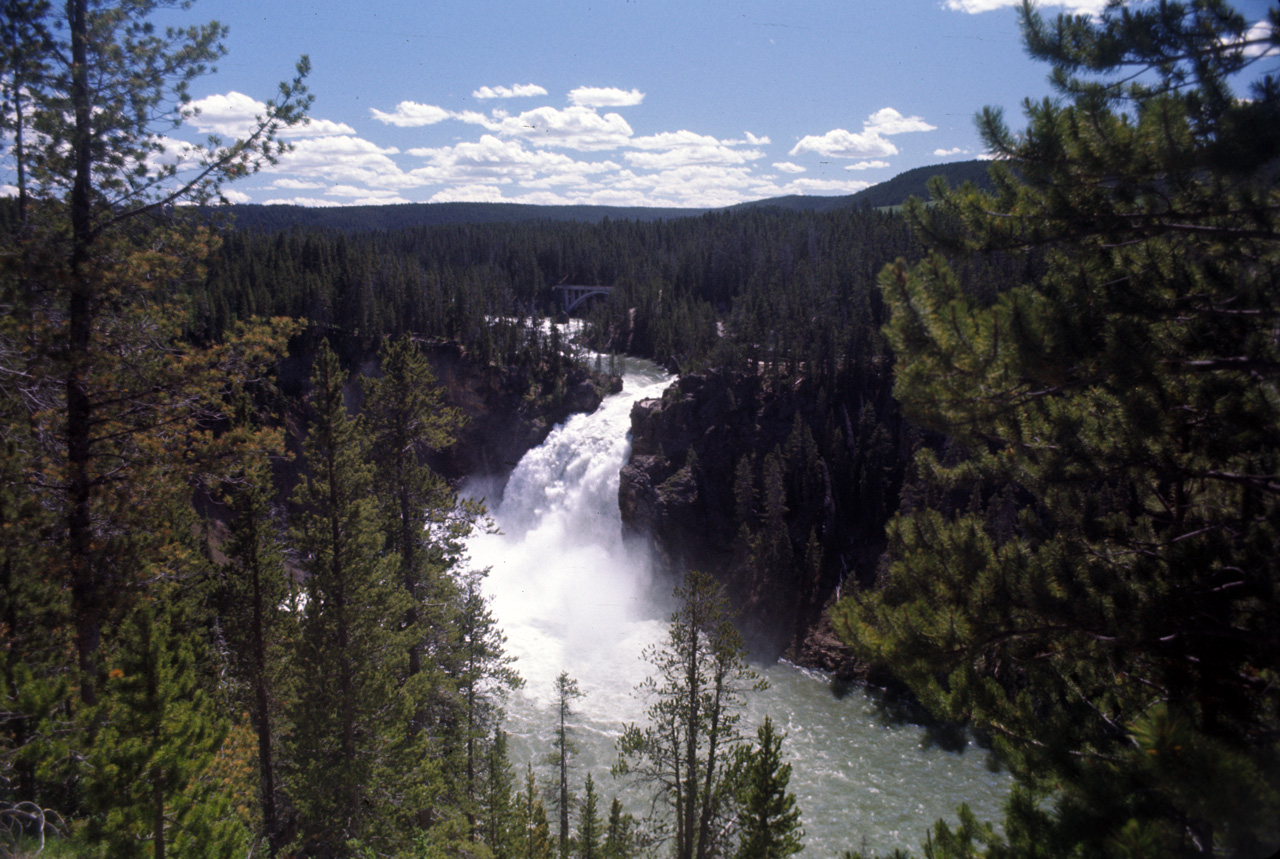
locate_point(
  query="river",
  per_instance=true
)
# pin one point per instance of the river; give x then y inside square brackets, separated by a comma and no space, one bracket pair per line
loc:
[571,594]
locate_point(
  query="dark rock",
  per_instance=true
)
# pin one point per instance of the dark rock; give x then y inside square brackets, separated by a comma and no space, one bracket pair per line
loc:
[678,489]
[509,410]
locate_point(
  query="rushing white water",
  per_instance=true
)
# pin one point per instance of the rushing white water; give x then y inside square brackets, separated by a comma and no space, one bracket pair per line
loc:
[572,595]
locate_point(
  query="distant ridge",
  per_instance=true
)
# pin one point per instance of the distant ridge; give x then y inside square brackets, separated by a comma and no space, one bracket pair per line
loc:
[400,215]
[893,192]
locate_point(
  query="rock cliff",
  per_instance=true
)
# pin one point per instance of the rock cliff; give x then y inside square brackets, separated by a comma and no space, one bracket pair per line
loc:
[509,409]
[778,488]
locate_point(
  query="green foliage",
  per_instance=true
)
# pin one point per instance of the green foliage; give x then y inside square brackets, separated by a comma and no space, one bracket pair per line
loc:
[533,834]
[1089,573]
[563,750]
[498,826]
[590,826]
[156,731]
[684,754]
[621,840]
[348,715]
[768,819]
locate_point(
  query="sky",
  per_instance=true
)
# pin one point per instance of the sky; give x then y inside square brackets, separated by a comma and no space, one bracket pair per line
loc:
[701,103]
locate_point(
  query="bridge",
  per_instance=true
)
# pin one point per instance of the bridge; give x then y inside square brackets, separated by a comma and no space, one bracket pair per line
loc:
[575,295]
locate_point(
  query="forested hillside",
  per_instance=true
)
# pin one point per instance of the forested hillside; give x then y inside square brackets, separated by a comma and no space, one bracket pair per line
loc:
[1020,445]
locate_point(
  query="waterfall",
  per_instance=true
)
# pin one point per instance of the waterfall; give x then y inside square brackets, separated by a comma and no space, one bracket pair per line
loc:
[572,594]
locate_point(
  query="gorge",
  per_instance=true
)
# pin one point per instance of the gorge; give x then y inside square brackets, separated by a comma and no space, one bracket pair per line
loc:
[573,592]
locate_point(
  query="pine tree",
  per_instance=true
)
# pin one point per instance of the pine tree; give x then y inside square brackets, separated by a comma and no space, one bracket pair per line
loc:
[589,824]
[1117,636]
[620,841]
[348,715]
[499,804]
[423,525]
[684,753]
[768,820]
[533,839]
[258,601]
[483,675]
[563,750]
[158,732]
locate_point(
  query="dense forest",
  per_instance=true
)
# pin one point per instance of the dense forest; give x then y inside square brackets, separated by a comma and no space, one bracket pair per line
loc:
[1031,428]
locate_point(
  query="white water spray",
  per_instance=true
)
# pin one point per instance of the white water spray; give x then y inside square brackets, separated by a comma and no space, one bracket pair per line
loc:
[572,595]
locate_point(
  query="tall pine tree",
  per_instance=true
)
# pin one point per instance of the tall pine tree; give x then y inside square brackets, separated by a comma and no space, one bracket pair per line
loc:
[1094,580]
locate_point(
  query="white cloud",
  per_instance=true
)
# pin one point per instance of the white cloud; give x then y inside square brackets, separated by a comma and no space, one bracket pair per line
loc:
[681,148]
[868,143]
[354,191]
[788,167]
[411,114]
[516,91]
[573,128]
[691,185]
[973,7]
[868,165]
[1260,30]
[468,194]
[491,160]
[839,143]
[809,186]
[8,190]
[471,117]
[228,114]
[300,201]
[235,114]
[944,153]
[757,141]
[343,159]
[296,184]
[886,120]
[594,96]
[234,196]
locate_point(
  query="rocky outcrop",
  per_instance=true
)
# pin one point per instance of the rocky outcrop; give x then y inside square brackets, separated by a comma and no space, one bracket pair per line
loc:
[509,410]
[768,487]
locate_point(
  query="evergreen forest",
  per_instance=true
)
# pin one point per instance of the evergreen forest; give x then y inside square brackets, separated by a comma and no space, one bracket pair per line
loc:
[1028,473]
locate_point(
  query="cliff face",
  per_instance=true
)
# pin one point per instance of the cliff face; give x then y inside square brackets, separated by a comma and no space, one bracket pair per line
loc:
[777,489]
[509,410]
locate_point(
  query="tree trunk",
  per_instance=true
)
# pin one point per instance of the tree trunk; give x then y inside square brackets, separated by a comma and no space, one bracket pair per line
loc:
[84,576]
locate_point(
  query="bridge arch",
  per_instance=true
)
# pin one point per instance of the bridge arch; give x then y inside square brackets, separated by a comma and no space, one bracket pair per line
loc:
[575,295]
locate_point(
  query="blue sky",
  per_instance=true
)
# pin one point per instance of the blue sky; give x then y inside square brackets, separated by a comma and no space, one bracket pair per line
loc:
[618,102]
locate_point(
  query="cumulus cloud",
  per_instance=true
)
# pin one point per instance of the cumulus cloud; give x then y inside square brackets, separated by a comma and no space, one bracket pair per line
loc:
[235,114]
[886,120]
[1260,31]
[491,160]
[594,96]
[354,191]
[8,190]
[839,143]
[316,202]
[690,185]
[788,167]
[809,186]
[868,165]
[411,114]
[233,196]
[578,128]
[757,141]
[671,149]
[468,194]
[516,91]
[343,159]
[290,184]
[868,143]
[973,7]
[943,153]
